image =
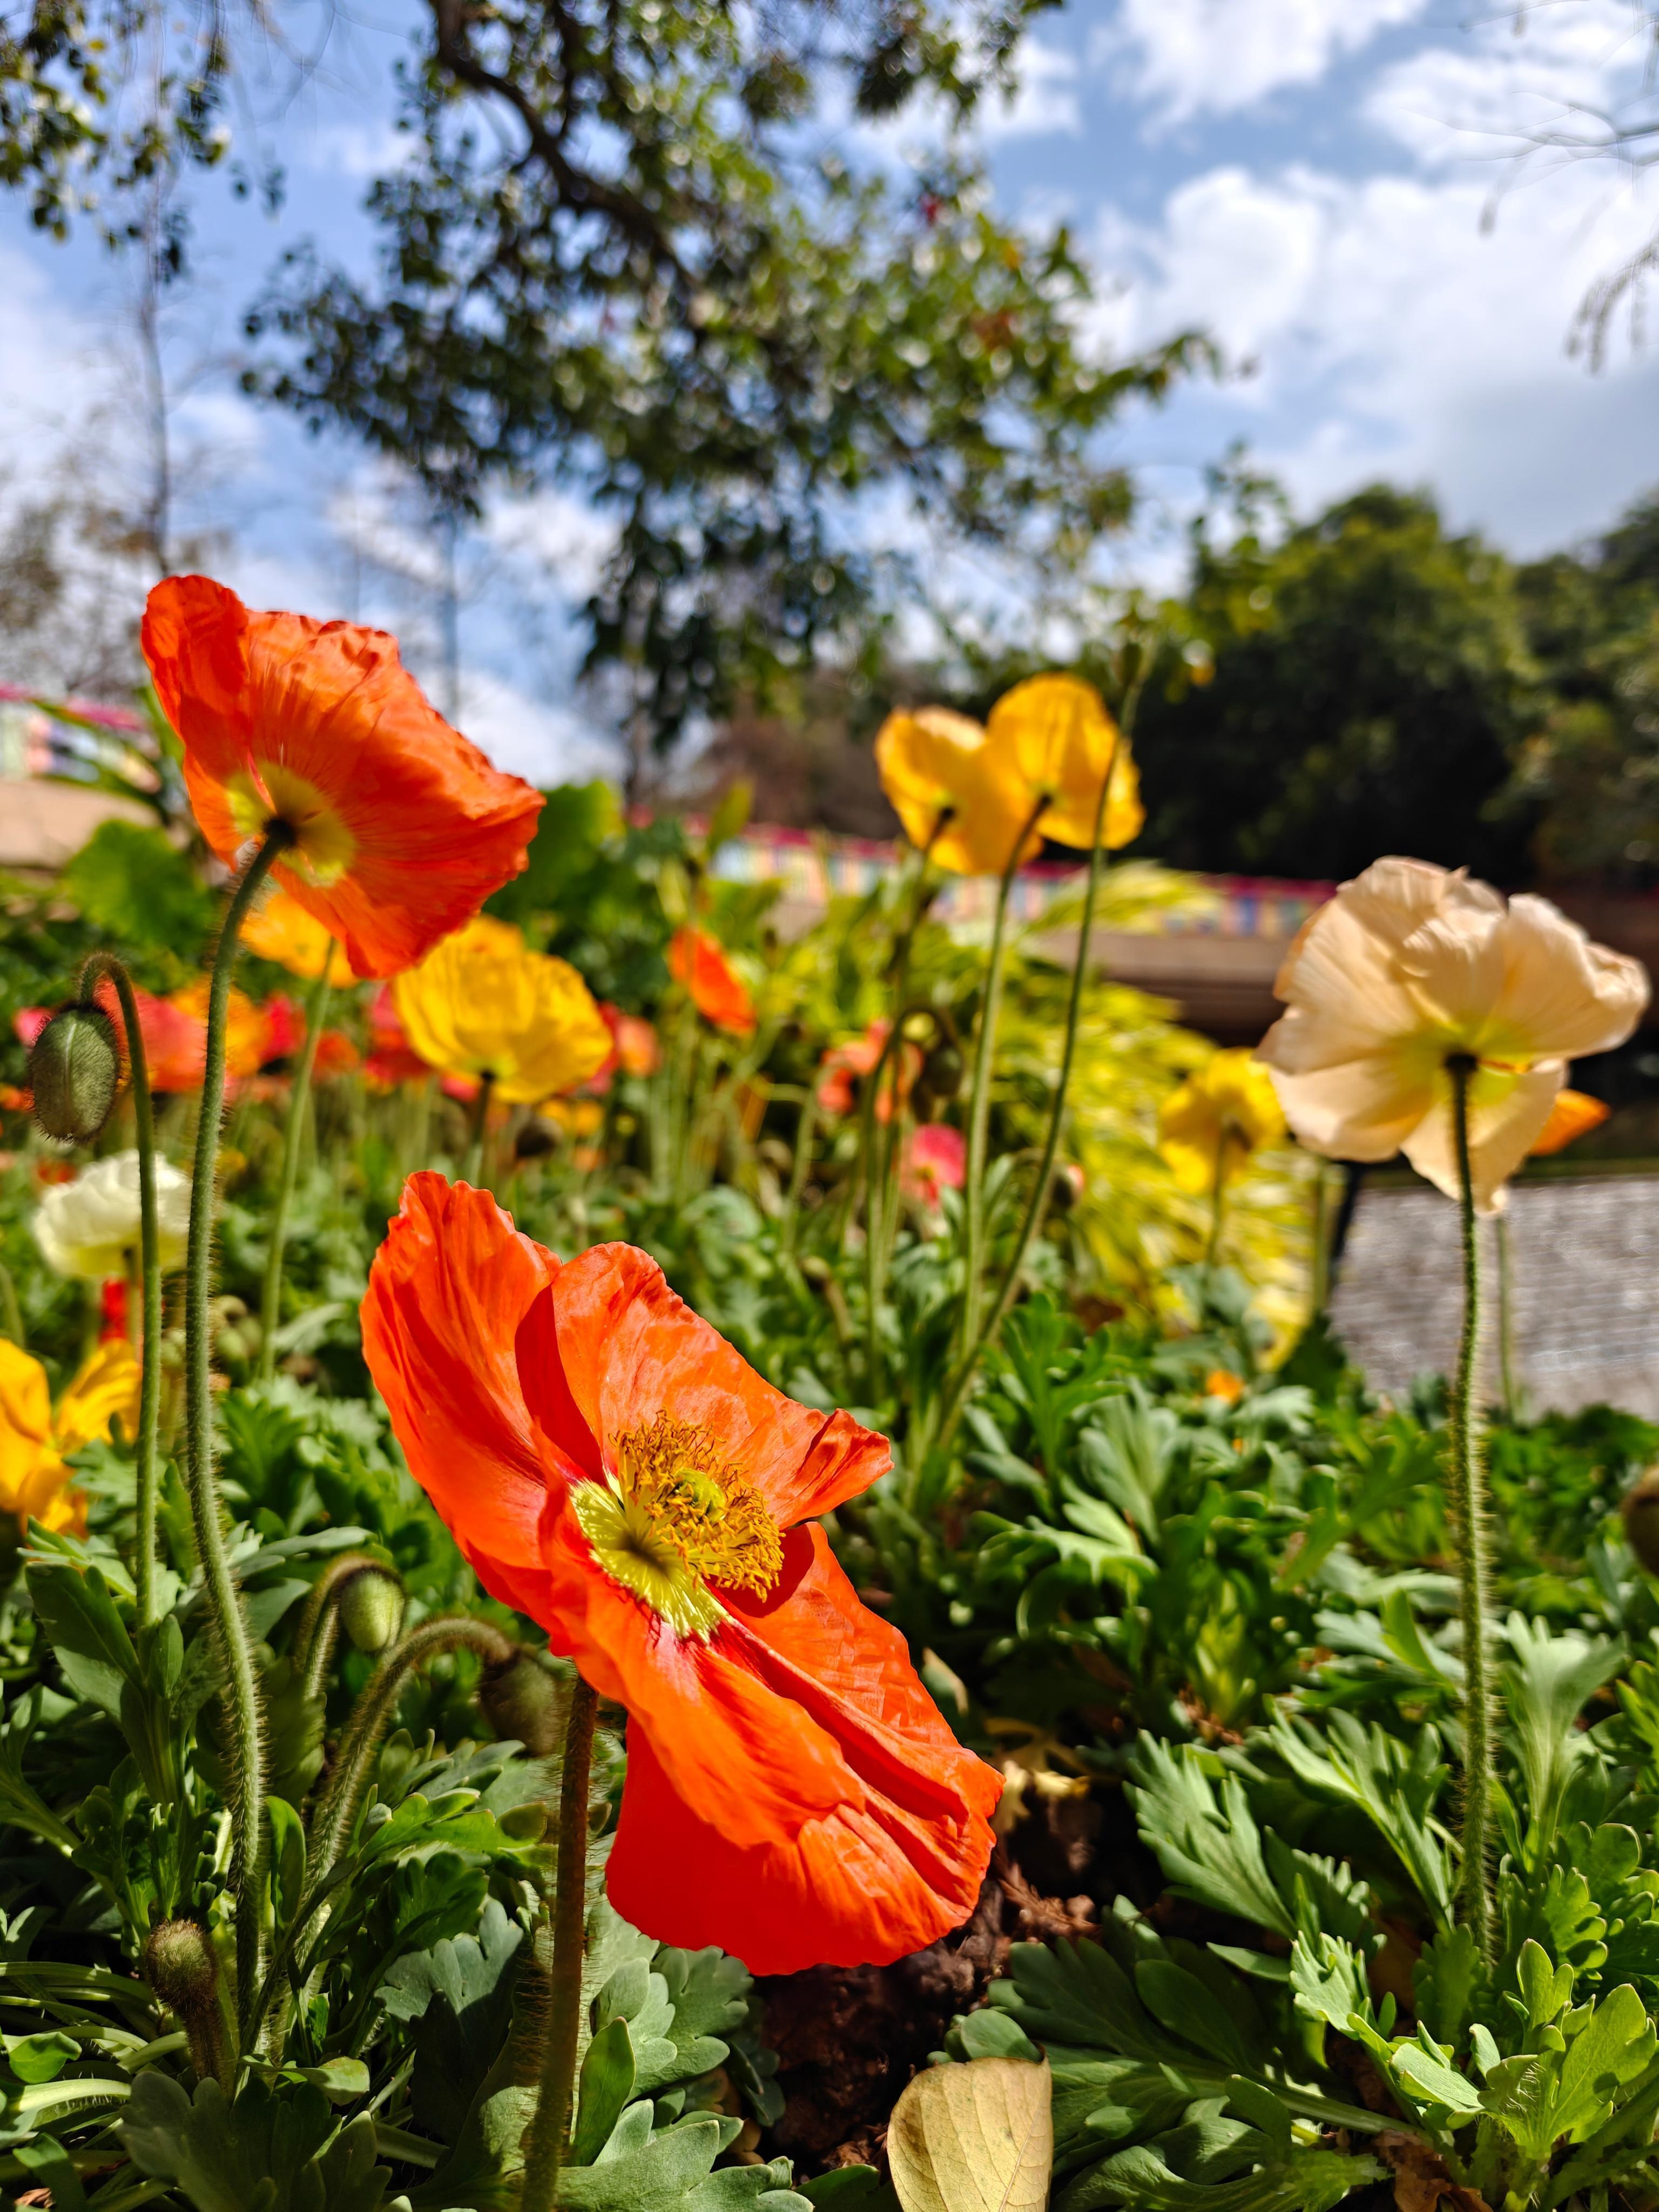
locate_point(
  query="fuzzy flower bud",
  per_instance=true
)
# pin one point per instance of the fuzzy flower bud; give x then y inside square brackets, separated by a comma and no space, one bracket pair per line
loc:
[372,1608]
[522,1700]
[75,1071]
[180,1966]
[87,1228]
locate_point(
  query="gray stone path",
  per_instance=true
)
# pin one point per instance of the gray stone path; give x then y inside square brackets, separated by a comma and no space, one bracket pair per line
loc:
[1585,1271]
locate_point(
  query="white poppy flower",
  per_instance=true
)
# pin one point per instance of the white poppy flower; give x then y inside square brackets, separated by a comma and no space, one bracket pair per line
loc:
[1410,966]
[88,1227]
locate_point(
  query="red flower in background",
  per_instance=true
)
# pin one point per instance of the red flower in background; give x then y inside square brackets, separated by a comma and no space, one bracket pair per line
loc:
[698,960]
[934,1161]
[611,1466]
[837,1093]
[401,827]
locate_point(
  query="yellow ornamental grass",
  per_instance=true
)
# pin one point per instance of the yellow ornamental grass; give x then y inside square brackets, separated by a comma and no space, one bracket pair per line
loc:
[1208,1127]
[482,1004]
[960,803]
[36,1440]
[1055,733]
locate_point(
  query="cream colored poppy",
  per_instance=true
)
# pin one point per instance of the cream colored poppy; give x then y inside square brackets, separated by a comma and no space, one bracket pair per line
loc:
[91,1227]
[960,803]
[1410,966]
[36,1440]
[1208,1127]
[1058,735]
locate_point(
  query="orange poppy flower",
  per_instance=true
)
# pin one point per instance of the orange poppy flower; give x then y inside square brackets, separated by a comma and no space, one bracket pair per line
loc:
[611,1466]
[842,1063]
[717,991]
[402,829]
[1574,1114]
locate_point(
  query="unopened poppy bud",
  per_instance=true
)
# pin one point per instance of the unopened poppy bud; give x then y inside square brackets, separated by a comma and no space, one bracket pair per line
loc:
[1641,1512]
[942,1071]
[522,1699]
[75,1071]
[180,1966]
[372,1608]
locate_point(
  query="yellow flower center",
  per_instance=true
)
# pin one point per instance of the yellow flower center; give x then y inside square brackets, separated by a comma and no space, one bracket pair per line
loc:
[675,1518]
[323,849]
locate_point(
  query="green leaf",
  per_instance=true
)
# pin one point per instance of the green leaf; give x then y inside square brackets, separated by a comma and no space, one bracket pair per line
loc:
[258,2155]
[604,2087]
[1449,1974]
[459,1996]
[640,2171]
[134,885]
[848,2189]
[40,2057]
[1210,1853]
[84,1627]
[52,2168]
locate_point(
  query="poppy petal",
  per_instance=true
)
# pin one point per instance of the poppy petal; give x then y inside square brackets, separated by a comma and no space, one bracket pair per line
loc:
[895,1862]
[629,1348]
[418,827]
[446,1294]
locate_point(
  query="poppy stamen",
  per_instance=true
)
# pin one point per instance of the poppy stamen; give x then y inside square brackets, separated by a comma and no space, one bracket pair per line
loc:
[676,1518]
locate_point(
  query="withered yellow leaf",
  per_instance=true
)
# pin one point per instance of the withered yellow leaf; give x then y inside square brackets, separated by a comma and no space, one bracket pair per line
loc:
[974,2138]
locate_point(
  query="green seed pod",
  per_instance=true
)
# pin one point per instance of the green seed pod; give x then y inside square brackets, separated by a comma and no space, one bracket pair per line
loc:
[180,1966]
[522,1699]
[75,1071]
[372,1608]
[1641,1512]
[942,1071]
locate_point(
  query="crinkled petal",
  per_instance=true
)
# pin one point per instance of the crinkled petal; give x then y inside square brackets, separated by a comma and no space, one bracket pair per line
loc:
[1339,982]
[1561,996]
[448,1291]
[1455,962]
[630,1348]
[1362,1109]
[891,1862]
[1507,1114]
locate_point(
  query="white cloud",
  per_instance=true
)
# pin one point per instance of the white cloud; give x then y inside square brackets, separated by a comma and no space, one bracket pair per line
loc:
[1395,333]
[527,737]
[1219,57]
[375,148]
[1045,103]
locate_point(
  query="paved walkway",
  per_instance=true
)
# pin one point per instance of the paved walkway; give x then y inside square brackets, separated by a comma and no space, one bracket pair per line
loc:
[1585,1271]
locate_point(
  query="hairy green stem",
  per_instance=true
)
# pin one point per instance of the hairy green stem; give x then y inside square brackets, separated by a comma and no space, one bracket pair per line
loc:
[11,1314]
[371,1716]
[235,1645]
[1469,1515]
[271,1301]
[100,965]
[549,2130]
[1037,1205]
[806,1131]
[473,1172]
[1508,1373]
[979,1095]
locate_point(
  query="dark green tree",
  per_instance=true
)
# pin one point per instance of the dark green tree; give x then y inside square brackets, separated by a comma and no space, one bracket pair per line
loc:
[621,255]
[1373,689]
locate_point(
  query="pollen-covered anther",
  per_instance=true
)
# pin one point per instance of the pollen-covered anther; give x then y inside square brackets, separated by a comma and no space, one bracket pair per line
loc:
[676,1518]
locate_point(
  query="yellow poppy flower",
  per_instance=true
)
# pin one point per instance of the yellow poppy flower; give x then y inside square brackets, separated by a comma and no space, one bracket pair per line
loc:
[958,802]
[36,1441]
[482,1004]
[1218,1117]
[1057,734]
[1410,966]
[282,930]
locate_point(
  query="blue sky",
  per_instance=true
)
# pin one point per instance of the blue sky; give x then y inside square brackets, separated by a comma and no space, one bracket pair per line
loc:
[1329,186]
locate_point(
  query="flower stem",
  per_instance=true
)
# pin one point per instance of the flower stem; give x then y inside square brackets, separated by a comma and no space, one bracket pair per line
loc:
[314,1640]
[551,2125]
[474,1150]
[1470,1515]
[150,1373]
[799,1167]
[235,1645]
[1508,1375]
[371,1715]
[979,1095]
[1041,1190]
[271,1301]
